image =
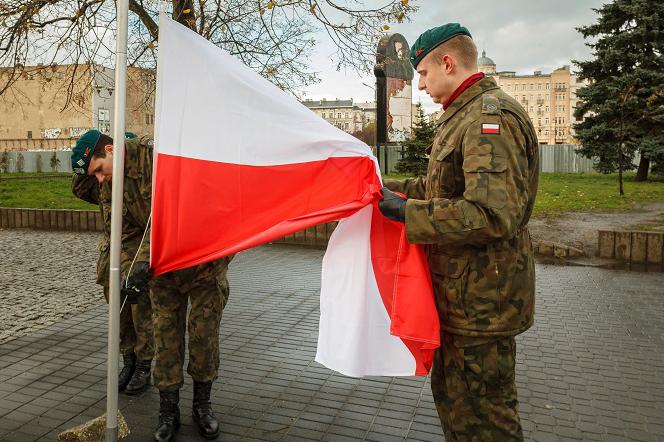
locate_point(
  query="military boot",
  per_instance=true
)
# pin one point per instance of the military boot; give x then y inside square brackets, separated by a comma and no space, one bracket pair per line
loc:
[169,416]
[127,370]
[201,411]
[140,381]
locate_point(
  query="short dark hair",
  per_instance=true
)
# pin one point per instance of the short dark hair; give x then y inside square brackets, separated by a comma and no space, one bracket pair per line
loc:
[102,142]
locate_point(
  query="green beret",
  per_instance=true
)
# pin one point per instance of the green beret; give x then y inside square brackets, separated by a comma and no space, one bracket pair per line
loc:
[81,154]
[432,38]
[130,135]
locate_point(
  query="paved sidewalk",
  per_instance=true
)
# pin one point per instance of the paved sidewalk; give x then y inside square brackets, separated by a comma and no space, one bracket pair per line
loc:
[592,368]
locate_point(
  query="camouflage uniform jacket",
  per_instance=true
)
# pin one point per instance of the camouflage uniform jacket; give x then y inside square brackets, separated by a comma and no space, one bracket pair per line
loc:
[472,210]
[88,189]
[135,210]
[137,206]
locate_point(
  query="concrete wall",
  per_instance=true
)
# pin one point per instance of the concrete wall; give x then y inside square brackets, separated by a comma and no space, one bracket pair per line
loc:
[90,221]
[51,219]
[632,246]
[31,161]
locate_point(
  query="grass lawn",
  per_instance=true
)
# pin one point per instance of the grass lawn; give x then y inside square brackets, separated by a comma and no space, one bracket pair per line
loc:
[39,193]
[593,193]
[557,193]
[590,192]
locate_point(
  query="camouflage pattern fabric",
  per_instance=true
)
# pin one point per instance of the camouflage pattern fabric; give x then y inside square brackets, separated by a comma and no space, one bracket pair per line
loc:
[137,197]
[471,212]
[206,287]
[136,330]
[473,387]
[127,330]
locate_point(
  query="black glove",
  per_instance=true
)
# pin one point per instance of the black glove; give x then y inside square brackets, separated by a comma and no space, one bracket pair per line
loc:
[130,295]
[139,278]
[392,206]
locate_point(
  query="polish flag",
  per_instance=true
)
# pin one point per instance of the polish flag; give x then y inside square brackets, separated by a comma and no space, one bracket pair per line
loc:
[238,163]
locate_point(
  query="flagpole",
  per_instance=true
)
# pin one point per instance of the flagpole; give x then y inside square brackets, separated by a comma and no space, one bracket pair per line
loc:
[116,221]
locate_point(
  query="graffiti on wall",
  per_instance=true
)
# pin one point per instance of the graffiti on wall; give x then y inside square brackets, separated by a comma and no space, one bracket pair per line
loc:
[53,132]
[75,132]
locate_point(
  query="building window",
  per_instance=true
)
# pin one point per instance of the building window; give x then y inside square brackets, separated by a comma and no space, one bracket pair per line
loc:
[323,114]
[547,108]
[548,97]
[339,115]
[531,97]
[346,126]
[531,109]
[346,114]
[532,86]
[547,86]
[539,86]
[29,134]
[546,121]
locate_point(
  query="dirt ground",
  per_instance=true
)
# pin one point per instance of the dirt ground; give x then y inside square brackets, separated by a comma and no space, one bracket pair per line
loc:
[579,229]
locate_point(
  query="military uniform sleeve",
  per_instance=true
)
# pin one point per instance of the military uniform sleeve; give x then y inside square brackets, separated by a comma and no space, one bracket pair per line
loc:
[495,171]
[146,193]
[85,187]
[411,187]
[136,214]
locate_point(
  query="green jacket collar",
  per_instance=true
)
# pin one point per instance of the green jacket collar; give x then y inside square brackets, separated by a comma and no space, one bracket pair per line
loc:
[485,84]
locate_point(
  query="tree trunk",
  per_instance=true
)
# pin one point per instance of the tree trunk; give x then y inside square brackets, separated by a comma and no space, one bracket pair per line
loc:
[620,157]
[620,178]
[642,172]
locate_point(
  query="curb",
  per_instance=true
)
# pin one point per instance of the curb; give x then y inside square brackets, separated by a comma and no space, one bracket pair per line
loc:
[628,246]
[51,219]
[632,246]
[90,221]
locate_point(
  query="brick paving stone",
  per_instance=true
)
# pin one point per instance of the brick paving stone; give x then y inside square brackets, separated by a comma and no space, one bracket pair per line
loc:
[19,436]
[579,374]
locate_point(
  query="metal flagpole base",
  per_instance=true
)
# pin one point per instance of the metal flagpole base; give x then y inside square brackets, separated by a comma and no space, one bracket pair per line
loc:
[112,434]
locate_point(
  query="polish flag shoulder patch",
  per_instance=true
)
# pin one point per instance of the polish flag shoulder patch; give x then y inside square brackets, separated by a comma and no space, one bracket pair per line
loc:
[490,128]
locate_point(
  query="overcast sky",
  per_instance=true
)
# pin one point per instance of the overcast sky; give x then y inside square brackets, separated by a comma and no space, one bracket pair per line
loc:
[518,35]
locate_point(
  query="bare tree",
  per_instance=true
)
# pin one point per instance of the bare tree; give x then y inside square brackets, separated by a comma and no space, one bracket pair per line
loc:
[273,37]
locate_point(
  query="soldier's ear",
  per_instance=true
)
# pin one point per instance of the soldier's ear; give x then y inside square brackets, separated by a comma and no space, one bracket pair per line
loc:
[447,63]
[108,148]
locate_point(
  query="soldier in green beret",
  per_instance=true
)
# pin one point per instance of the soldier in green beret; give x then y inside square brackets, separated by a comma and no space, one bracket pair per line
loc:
[471,212]
[136,331]
[204,286]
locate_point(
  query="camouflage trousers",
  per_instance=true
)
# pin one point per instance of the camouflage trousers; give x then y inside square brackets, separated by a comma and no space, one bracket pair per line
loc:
[207,291]
[472,381]
[136,330]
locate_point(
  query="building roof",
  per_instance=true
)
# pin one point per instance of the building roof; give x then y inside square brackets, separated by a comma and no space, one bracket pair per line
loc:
[313,104]
[485,61]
